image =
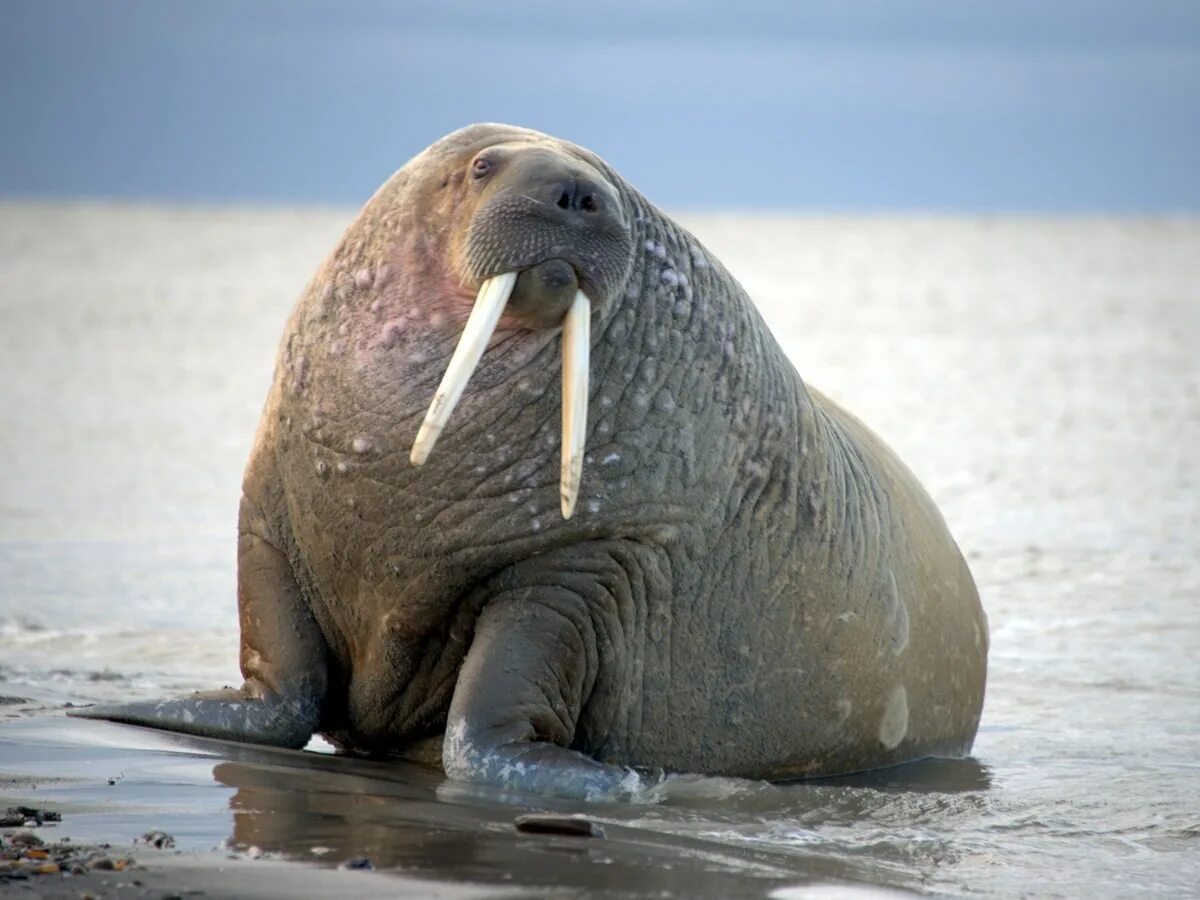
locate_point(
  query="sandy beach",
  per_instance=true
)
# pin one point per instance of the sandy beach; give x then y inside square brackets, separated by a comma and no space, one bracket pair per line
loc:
[1040,375]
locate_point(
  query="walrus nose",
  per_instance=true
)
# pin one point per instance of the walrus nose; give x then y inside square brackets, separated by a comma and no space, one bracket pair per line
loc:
[578,200]
[579,195]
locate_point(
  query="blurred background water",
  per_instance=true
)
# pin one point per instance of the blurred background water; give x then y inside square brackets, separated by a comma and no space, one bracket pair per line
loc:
[1038,371]
[872,104]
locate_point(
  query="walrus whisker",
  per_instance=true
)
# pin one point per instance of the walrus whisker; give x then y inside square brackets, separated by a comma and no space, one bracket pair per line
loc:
[576,348]
[489,304]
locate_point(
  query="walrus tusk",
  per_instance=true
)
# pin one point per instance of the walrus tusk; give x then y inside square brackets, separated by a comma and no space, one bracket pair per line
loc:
[489,304]
[576,346]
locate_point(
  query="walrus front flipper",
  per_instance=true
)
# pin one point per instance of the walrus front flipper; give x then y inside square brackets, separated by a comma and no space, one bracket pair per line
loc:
[282,658]
[228,714]
[518,697]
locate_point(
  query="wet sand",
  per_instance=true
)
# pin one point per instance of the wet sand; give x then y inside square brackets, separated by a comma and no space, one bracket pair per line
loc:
[425,837]
[170,874]
[1040,376]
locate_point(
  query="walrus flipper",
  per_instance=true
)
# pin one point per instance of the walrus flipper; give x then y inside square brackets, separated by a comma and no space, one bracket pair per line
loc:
[282,659]
[229,714]
[517,701]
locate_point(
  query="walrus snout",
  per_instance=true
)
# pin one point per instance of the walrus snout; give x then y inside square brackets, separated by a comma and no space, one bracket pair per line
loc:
[576,199]
[538,207]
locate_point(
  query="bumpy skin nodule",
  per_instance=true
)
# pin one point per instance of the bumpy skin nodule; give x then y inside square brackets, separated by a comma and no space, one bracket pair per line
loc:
[752,583]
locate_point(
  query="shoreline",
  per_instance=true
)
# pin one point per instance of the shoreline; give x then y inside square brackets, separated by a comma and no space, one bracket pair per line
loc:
[257,822]
[82,834]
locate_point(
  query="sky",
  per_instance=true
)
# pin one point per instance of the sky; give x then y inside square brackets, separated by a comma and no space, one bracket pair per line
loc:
[831,105]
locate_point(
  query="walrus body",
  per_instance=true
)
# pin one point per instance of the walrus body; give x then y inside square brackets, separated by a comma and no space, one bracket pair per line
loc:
[752,584]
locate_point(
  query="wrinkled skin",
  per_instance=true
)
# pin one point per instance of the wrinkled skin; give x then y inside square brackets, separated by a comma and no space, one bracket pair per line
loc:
[752,583]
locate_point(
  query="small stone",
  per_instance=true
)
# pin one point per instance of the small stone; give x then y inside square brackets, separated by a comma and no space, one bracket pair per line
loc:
[159,839]
[102,863]
[32,812]
[569,826]
[26,839]
[359,862]
[50,868]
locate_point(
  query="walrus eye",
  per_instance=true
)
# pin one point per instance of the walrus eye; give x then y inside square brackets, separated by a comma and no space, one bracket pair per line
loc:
[480,167]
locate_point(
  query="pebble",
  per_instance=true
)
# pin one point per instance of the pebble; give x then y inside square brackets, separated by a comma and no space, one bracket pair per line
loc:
[570,826]
[159,839]
[24,855]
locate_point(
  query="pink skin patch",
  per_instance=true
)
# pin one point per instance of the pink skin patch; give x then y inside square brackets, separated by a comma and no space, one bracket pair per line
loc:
[415,314]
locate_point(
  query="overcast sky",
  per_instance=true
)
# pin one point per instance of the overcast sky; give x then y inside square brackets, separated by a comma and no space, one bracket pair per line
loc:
[1020,105]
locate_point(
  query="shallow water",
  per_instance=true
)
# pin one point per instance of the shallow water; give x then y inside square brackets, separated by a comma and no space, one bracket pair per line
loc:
[1042,377]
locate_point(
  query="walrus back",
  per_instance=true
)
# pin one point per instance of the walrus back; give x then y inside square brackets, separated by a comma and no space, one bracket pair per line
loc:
[910,617]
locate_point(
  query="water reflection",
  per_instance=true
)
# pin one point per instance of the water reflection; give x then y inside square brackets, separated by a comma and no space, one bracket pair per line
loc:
[724,836]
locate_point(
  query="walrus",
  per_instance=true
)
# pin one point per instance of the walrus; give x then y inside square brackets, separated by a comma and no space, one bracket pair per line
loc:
[535,484]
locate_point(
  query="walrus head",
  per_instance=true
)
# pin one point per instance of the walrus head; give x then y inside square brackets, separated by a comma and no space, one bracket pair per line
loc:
[542,235]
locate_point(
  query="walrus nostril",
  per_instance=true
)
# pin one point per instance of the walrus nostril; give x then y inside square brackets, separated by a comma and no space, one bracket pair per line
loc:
[586,198]
[577,195]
